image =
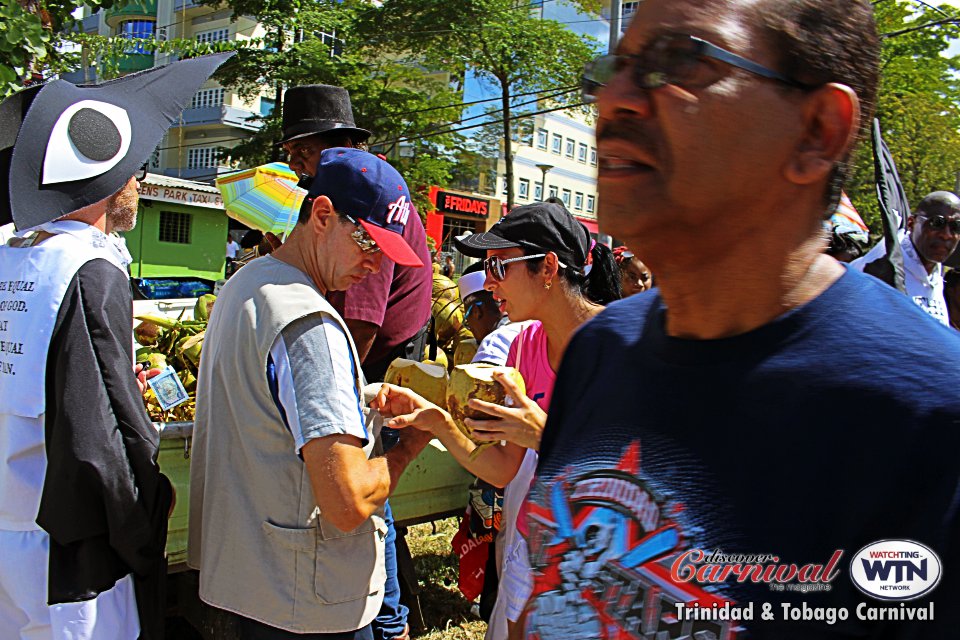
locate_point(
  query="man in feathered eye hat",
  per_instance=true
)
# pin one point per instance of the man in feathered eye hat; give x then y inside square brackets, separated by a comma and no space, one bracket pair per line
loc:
[83,505]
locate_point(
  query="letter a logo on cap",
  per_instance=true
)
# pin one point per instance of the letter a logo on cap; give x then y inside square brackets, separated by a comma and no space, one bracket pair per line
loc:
[399,211]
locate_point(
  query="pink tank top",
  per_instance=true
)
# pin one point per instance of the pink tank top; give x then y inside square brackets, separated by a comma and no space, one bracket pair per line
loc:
[528,353]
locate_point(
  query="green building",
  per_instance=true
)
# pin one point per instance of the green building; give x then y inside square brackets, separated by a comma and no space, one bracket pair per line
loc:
[181,230]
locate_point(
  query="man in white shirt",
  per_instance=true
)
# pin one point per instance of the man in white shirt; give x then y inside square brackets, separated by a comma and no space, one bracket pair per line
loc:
[495,332]
[933,232]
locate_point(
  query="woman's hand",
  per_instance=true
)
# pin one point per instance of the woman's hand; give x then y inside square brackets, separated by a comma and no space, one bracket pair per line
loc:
[521,424]
[405,408]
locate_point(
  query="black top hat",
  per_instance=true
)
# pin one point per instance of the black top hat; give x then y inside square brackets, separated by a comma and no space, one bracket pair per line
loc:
[64,146]
[318,108]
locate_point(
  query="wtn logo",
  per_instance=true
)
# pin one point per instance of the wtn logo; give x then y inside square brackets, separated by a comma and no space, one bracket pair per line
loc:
[895,570]
[903,569]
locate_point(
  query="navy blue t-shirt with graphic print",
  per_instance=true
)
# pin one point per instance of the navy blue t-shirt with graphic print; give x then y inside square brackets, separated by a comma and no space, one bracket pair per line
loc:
[833,427]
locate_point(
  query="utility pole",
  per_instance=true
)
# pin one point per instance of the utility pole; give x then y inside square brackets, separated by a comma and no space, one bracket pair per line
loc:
[614,25]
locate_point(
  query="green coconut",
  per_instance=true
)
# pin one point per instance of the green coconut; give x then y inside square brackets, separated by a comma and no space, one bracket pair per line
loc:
[204,306]
[190,348]
[188,379]
[147,333]
[466,349]
[151,359]
[441,358]
[476,381]
[426,379]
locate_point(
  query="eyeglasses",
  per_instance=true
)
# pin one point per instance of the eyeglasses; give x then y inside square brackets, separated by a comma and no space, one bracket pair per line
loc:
[937,223]
[679,60]
[361,237]
[470,307]
[141,173]
[495,266]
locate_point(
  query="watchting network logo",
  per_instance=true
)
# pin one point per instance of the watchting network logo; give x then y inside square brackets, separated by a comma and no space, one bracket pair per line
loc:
[896,570]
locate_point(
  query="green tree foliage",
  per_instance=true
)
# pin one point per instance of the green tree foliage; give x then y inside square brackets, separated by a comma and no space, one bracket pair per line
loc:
[38,40]
[918,106]
[504,42]
[328,42]
[29,37]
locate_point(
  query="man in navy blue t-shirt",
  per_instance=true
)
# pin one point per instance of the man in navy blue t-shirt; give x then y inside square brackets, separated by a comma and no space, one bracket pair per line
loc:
[768,444]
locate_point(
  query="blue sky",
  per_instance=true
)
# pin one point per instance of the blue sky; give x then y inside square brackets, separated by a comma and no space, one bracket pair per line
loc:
[554,10]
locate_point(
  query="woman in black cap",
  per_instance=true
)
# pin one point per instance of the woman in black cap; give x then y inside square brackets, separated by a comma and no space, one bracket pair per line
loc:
[540,266]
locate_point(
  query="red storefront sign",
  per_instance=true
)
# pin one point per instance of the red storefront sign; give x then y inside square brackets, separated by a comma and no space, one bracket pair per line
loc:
[448,202]
[458,205]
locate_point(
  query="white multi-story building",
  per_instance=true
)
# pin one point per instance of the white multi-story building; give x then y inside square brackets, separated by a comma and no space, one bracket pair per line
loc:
[557,158]
[560,149]
[216,118]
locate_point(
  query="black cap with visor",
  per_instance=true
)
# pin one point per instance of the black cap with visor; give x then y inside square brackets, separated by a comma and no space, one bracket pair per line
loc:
[540,227]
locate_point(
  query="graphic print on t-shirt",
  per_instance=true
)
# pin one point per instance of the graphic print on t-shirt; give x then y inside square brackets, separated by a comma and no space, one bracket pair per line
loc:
[601,545]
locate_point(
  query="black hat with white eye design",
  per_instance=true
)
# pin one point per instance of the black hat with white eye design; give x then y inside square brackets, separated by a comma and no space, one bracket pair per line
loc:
[67,146]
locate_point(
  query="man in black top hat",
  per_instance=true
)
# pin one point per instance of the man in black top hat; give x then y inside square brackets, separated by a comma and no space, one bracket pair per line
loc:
[387,312]
[83,505]
[317,117]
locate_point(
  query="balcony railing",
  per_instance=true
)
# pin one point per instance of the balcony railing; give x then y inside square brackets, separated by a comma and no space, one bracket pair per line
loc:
[221,114]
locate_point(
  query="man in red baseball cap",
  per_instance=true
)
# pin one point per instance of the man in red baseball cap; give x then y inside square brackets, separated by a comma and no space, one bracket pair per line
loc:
[280,385]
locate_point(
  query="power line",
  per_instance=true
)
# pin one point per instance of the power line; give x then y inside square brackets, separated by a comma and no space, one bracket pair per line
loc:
[556,91]
[431,134]
[473,102]
[935,23]
[490,113]
[483,124]
[494,111]
[930,6]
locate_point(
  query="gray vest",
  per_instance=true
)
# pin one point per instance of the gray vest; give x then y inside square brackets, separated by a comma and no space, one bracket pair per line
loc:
[263,549]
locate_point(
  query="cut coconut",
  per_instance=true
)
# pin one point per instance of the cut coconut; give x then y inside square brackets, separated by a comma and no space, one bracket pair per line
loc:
[476,381]
[427,380]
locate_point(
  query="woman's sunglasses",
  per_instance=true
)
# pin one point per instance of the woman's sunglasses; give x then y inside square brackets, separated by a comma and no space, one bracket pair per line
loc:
[495,266]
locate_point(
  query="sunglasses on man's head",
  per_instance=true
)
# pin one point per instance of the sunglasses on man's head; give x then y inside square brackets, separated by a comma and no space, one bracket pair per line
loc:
[675,59]
[361,237]
[141,173]
[937,223]
[470,307]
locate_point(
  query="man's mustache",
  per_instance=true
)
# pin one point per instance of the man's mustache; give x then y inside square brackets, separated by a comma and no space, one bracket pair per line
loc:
[629,131]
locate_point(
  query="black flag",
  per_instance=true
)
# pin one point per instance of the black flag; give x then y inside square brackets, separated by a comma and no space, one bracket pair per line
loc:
[894,208]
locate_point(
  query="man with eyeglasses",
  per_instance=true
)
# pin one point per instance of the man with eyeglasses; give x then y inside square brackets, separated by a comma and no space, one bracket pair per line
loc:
[763,401]
[933,232]
[388,312]
[288,482]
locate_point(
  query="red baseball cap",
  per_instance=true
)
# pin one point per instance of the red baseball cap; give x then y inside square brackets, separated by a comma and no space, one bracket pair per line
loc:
[368,189]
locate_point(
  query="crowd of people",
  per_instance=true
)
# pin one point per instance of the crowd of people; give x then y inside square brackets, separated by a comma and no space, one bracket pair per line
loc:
[751,395]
